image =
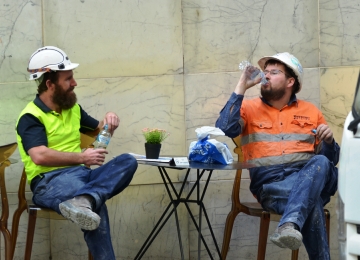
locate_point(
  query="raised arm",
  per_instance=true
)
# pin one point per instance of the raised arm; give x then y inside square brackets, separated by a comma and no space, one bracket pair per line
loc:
[228,120]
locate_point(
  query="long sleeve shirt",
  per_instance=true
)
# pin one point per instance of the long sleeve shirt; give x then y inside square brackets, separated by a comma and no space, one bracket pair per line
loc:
[241,116]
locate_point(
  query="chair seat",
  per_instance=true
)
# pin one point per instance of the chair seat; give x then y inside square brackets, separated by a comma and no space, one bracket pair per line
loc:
[255,209]
[254,206]
[44,212]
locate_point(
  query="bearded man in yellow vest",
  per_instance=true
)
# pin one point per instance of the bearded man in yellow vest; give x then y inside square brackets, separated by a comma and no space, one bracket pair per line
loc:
[48,134]
[293,149]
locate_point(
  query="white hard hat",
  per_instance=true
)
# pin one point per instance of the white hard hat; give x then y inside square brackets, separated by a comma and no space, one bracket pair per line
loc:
[48,58]
[289,60]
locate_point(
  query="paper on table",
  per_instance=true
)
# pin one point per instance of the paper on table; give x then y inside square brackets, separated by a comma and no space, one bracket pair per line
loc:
[141,157]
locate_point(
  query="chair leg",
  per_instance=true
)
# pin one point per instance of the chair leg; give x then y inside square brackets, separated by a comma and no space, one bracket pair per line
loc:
[327,223]
[263,234]
[294,254]
[15,226]
[7,238]
[90,256]
[5,212]
[227,232]
[30,233]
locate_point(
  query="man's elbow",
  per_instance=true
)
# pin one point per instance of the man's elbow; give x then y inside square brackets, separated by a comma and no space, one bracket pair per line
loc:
[38,160]
[37,155]
[231,134]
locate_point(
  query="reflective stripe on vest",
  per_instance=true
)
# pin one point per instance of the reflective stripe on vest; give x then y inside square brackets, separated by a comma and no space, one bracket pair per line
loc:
[277,138]
[287,158]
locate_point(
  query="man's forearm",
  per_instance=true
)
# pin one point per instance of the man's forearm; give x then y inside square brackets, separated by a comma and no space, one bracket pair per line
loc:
[228,120]
[45,156]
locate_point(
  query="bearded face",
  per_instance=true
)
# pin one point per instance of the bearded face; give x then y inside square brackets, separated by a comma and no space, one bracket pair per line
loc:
[270,93]
[65,99]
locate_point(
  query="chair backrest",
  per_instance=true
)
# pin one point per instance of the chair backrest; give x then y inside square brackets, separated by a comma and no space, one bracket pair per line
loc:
[237,181]
[237,149]
[6,151]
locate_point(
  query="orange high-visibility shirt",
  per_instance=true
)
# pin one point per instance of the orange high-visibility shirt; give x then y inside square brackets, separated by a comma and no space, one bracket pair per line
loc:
[271,136]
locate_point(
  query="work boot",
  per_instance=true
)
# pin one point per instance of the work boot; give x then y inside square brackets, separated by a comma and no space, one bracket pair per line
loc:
[79,211]
[286,236]
[275,238]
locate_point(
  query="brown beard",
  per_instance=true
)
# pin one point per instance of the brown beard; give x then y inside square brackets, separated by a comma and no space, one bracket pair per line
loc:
[64,99]
[271,94]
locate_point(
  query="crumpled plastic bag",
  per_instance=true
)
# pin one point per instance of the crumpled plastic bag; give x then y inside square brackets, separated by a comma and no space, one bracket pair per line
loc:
[207,150]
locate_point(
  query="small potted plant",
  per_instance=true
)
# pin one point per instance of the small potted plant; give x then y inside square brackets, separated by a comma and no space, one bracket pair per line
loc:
[153,137]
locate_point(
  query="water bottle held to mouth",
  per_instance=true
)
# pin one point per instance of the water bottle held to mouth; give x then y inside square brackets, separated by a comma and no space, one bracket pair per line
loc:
[256,73]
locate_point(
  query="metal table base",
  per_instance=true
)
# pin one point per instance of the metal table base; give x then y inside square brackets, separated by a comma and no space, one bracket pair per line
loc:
[175,200]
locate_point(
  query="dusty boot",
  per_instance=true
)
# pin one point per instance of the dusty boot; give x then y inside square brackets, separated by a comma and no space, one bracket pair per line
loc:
[287,236]
[79,211]
[275,238]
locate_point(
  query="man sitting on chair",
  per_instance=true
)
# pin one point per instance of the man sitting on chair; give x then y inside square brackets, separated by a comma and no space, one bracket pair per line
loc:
[48,134]
[293,149]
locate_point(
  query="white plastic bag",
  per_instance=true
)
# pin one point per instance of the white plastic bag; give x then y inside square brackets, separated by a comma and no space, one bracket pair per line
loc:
[209,150]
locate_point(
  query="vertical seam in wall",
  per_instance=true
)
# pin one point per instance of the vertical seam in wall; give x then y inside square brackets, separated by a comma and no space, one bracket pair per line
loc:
[319,32]
[183,72]
[319,55]
[42,24]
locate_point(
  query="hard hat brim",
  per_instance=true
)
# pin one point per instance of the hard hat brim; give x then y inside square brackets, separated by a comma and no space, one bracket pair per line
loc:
[264,59]
[71,66]
[68,67]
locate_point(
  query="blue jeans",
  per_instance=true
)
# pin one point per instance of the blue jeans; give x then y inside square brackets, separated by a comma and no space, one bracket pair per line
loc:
[101,183]
[300,197]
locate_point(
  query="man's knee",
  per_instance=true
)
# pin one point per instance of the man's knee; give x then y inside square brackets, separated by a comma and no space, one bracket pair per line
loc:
[128,161]
[321,164]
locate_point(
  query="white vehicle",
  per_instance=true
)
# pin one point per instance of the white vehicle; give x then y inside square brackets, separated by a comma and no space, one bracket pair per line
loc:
[348,186]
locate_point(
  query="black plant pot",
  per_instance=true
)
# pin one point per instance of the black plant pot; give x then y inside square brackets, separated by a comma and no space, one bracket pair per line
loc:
[152,151]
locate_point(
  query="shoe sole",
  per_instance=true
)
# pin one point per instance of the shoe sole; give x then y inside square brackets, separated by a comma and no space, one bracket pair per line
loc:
[275,239]
[86,220]
[292,241]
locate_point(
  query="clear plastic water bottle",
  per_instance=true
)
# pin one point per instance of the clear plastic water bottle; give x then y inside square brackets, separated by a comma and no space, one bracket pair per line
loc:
[257,72]
[103,138]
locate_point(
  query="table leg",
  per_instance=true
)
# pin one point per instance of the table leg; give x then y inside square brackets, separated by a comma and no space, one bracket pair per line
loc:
[175,202]
[153,234]
[199,233]
[179,235]
[199,201]
[158,227]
